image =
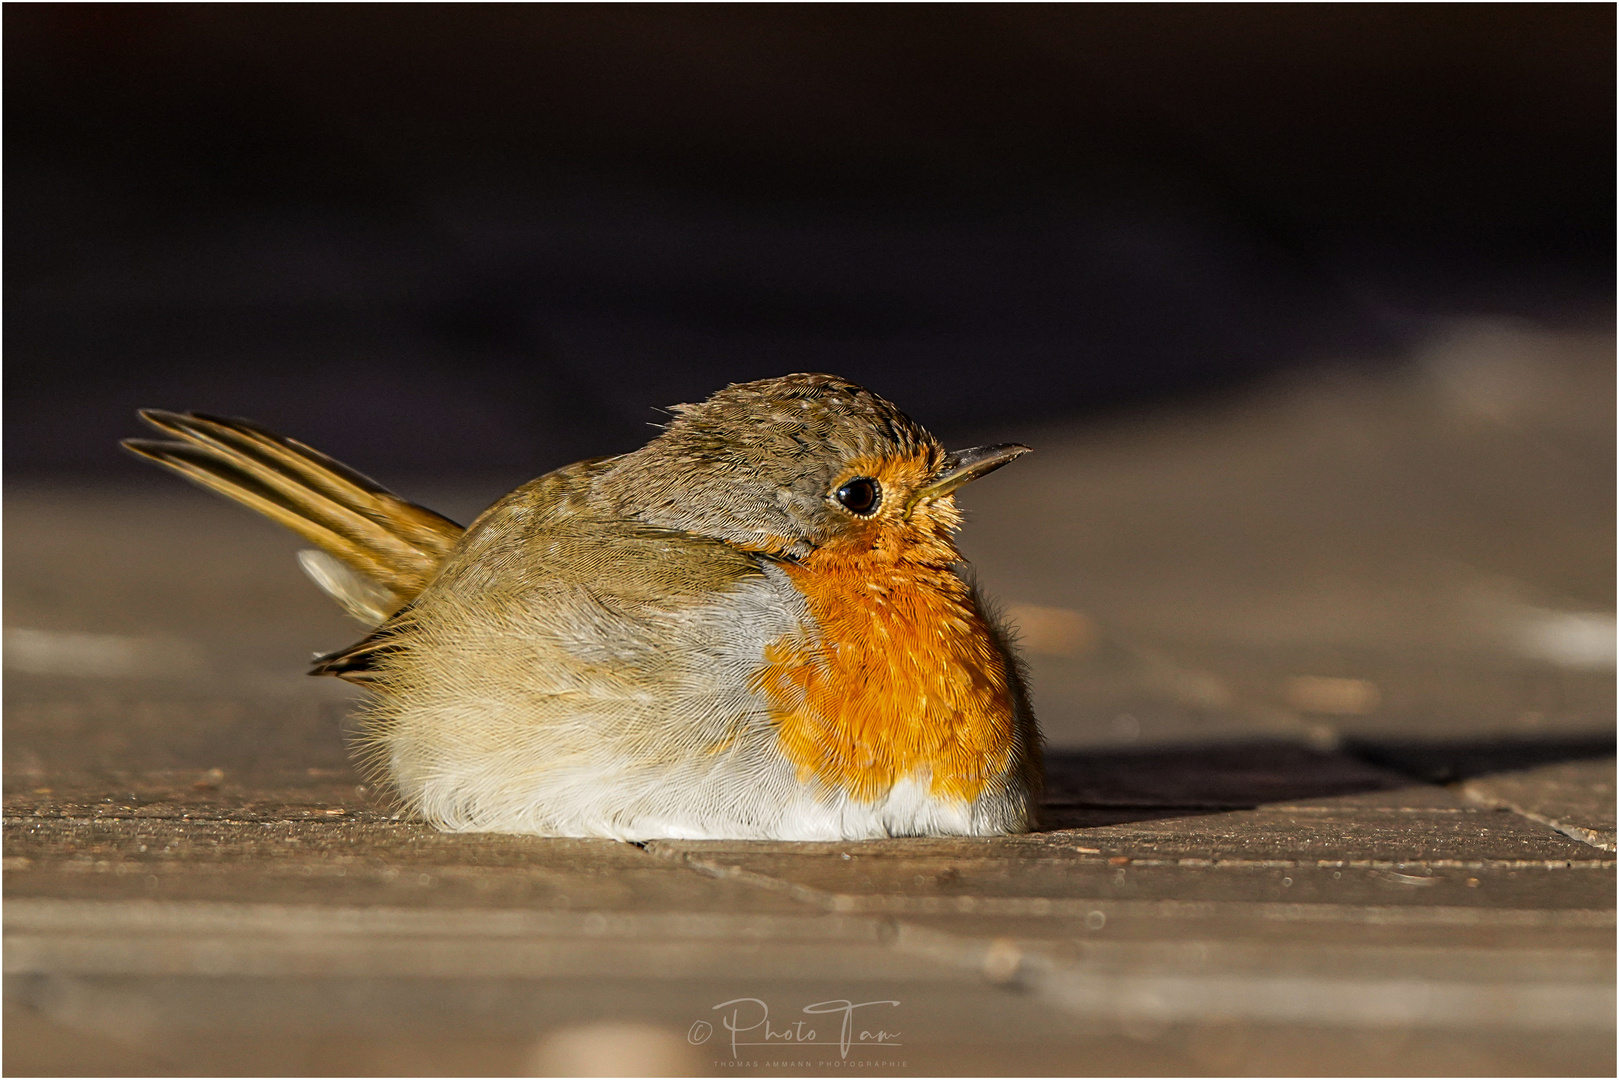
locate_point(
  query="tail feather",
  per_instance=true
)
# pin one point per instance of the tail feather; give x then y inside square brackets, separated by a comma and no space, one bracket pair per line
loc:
[358,595]
[393,546]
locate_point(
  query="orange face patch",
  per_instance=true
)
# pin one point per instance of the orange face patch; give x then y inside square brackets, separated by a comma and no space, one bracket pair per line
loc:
[905,676]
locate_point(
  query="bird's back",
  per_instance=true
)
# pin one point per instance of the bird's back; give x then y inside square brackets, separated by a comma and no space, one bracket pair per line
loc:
[573,673]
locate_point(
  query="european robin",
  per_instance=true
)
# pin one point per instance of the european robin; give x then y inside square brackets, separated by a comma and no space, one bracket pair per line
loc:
[756,626]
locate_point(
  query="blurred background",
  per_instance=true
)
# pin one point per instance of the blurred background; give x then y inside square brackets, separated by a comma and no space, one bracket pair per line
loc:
[1308,311]
[494,238]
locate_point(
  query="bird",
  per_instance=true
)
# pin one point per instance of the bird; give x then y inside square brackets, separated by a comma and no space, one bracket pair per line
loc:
[756,626]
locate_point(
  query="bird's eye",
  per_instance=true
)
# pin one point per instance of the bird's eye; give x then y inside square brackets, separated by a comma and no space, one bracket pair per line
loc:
[861,495]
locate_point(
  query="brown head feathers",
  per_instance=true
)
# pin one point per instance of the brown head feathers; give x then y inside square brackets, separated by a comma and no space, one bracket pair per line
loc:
[758,464]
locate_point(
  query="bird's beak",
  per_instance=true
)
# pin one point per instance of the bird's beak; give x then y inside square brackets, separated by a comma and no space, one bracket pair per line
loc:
[963,465]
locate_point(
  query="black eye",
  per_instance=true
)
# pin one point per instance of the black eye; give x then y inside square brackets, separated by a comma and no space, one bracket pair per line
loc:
[861,495]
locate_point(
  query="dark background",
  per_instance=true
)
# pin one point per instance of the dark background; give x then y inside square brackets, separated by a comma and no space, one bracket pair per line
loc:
[472,239]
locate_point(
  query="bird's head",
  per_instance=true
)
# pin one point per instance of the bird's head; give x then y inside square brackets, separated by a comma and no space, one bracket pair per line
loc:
[802,464]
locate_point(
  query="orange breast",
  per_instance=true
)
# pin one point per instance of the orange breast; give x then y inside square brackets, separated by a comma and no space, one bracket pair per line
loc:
[904,677]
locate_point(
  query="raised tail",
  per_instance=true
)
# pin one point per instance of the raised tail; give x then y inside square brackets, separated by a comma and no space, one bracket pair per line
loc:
[377,551]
